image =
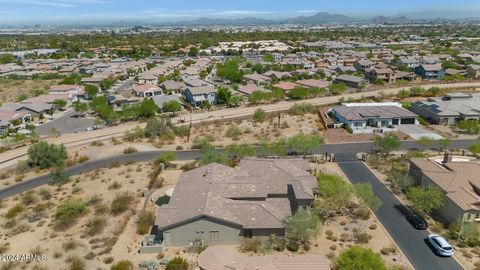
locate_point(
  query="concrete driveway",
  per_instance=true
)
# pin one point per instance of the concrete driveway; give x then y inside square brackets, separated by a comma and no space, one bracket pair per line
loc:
[417,132]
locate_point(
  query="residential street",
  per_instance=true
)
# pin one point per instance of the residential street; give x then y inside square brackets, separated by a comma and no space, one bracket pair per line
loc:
[410,240]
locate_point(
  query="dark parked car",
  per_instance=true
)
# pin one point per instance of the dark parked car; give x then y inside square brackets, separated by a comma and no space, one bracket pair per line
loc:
[417,221]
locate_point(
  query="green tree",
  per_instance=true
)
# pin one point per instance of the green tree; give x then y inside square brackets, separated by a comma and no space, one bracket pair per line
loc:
[470,126]
[336,194]
[91,90]
[147,108]
[171,106]
[400,181]
[80,106]
[337,88]
[387,143]
[298,93]
[475,147]
[240,150]
[60,103]
[358,258]
[366,196]
[230,70]
[304,144]
[425,141]
[177,263]
[211,155]
[259,115]
[268,58]
[277,148]
[223,95]
[425,199]
[157,127]
[302,226]
[7,58]
[193,52]
[45,155]
[235,100]
[444,143]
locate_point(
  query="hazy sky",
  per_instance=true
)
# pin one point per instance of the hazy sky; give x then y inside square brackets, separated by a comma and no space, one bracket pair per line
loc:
[167,10]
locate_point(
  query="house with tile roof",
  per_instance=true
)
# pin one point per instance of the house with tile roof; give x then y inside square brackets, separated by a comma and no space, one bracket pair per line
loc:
[459,180]
[220,205]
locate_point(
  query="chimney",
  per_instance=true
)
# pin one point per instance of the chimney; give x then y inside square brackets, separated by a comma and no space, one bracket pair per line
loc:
[447,158]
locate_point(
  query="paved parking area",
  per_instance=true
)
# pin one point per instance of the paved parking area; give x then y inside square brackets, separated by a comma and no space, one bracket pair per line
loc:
[417,132]
[68,123]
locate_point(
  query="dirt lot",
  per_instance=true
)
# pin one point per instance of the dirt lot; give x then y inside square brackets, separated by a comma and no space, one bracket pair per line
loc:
[340,135]
[37,230]
[11,89]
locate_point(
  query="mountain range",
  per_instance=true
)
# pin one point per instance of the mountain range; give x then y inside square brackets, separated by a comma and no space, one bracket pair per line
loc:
[323,18]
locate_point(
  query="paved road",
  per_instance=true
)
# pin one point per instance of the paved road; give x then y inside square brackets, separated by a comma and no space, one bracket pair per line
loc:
[194,154]
[411,241]
[11,157]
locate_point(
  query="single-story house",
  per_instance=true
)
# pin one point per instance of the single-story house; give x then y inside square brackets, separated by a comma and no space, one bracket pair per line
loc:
[196,83]
[4,126]
[147,90]
[221,205]
[278,75]
[160,100]
[70,89]
[372,117]
[117,101]
[172,86]
[350,80]
[197,95]
[449,110]
[256,79]
[430,72]
[344,69]
[285,86]
[32,108]
[147,78]
[220,258]
[312,83]
[13,116]
[457,178]
[248,89]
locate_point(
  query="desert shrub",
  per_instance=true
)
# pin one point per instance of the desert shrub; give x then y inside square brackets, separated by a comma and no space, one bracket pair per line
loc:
[361,237]
[202,141]
[121,203]
[82,159]
[14,211]
[114,185]
[130,150]
[177,263]
[59,176]
[145,220]
[189,166]
[108,260]
[233,132]
[302,108]
[122,265]
[251,245]
[19,228]
[95,226]
[70,244]
[70,209]
[45,194]
[181,131]
[292,246]
[75,263]
[22,166]
[260,115]
[28,198]
[373,226]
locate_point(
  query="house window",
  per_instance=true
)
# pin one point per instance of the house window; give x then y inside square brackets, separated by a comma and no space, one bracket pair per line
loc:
[477,215]
[214,236]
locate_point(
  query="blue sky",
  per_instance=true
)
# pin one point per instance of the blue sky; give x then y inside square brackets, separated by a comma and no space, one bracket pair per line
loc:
[171,10]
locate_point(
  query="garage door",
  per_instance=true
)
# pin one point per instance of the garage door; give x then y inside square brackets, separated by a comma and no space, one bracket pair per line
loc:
[408,121]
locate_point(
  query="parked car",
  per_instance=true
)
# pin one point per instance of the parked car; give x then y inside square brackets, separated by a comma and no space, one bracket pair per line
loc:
[417,221]
[440,245]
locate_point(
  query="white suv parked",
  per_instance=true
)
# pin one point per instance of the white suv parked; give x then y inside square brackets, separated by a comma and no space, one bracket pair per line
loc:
[441,246]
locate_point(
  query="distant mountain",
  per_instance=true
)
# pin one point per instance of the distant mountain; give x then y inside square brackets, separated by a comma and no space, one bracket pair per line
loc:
[445,14]
[386,20]
[321,18]
[240,21]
